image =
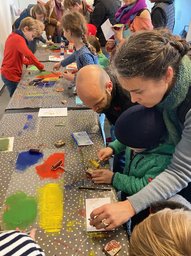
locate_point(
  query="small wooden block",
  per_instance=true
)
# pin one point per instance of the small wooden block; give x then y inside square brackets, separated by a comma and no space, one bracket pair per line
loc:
[64,101]
[112,248]
[59,89]
[89,171]
[59,143]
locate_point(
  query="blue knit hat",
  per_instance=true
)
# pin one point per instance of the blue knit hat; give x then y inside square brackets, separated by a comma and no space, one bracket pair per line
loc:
[140,127]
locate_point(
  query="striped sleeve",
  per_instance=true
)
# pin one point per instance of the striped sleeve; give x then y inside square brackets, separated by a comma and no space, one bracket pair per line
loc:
[15,243]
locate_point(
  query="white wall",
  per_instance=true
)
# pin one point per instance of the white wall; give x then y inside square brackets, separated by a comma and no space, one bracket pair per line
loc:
[6,25]
[149,4]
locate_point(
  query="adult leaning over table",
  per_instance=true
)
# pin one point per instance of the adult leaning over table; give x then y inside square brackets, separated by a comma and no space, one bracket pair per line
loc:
[154,68]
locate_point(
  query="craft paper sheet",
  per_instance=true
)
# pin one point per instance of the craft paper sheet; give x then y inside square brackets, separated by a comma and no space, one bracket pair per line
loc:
[106,28]
[91,204]
[6,144]
[55,58]
[46,112]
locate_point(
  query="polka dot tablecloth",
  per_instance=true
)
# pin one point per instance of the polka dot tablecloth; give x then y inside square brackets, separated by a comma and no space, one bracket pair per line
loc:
[31,131]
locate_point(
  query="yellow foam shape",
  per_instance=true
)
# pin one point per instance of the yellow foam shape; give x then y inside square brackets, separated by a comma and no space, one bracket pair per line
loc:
[50,201]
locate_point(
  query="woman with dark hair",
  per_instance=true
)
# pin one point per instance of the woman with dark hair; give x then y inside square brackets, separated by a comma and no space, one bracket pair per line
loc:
[154,67]
[135,16]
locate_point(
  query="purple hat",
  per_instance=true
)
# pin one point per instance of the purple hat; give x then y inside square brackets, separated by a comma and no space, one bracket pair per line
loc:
[140,127]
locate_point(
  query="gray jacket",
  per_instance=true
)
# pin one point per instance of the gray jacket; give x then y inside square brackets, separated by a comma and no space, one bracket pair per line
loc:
[173,179]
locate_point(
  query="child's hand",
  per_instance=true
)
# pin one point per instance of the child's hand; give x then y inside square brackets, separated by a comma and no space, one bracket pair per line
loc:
[33,233]
[101,176]
[49,42]
[110,45]
[68,76]
[105,153]
[57,66]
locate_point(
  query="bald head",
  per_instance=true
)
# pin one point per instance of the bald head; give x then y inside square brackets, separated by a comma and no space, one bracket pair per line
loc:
[91,83]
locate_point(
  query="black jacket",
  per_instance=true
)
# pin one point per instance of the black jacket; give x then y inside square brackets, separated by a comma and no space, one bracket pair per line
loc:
[119,103]
[103,9]
[163,14]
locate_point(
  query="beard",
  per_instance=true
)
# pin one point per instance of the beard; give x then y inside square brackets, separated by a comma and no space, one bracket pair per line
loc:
[107,103]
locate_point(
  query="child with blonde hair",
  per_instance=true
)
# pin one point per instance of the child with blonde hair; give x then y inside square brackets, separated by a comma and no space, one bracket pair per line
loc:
[75,30]
[165,233]
[102,59]
[17,53]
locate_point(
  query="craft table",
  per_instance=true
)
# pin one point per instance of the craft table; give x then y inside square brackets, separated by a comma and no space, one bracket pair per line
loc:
[28,97]
[29,131]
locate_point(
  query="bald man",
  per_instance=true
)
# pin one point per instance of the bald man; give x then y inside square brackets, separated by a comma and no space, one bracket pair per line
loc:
[100,91]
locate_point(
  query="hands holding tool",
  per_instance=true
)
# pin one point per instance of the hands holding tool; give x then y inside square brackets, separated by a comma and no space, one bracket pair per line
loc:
[105,153]
[102,175]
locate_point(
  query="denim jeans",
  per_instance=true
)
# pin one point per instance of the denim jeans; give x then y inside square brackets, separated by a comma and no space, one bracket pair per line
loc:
[11,86]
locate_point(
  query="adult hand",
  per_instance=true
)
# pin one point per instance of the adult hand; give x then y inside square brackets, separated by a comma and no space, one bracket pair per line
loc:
[105,153]
[101,176]
[57,66]
[114,215]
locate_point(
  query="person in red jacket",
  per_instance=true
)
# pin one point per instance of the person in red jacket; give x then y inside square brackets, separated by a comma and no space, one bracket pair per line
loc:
[17,53]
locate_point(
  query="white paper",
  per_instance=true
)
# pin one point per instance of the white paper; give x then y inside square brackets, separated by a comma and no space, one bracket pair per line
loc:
[46,112]
[82,138]
[10,146]
[72,66]
[91,204]
[106,28]
[55,58]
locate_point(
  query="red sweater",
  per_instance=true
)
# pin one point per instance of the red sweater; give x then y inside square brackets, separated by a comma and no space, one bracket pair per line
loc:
[16,54]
